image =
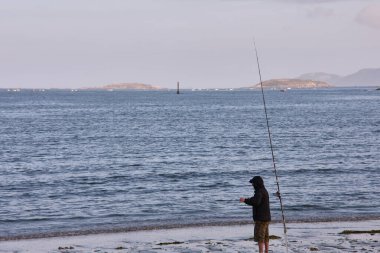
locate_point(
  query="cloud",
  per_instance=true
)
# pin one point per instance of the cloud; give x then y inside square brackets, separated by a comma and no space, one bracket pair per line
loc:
[370,16]
[320,12]
[311,1]
[318,1]
[302,1]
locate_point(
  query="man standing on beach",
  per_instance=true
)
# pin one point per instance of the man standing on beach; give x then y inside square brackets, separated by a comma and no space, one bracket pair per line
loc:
[260,212]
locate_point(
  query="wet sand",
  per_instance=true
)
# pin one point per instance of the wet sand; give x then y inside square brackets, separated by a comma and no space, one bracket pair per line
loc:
[302,237]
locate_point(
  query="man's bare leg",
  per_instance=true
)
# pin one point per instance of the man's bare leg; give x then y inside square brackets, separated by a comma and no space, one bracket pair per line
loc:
[266,247]
[261,247]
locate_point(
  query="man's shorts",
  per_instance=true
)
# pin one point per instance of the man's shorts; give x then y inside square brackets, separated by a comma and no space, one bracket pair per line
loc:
[261,231]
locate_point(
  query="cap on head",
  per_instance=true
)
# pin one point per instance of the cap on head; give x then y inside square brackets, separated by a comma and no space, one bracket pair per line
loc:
[257,182]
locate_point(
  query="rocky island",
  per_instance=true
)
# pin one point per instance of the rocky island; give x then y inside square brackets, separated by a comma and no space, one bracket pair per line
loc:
[126,86]
[279,84]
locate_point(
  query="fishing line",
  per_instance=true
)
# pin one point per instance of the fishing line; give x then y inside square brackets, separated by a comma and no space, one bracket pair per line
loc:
[271,148]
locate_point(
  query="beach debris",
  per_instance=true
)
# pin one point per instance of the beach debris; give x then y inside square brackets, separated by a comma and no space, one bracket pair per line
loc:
[314,249]
[64,248]
[349,232]
[120,248]
[274,237]
[169,243]
[210,242]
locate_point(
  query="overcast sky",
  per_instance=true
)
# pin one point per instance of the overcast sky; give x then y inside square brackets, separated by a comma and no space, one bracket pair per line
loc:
[201,43]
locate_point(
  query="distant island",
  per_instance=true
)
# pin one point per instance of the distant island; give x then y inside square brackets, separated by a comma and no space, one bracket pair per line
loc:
[279,84]
[315,80]
[368,77]
[126,86]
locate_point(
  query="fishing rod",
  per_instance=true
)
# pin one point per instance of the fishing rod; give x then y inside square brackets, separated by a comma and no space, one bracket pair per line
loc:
[271,148]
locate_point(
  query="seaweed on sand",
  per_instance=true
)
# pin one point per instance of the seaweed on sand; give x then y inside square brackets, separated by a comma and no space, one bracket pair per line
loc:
[169,243]
[349,232]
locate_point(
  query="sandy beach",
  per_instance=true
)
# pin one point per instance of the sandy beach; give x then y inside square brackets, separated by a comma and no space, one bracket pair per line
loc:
[303,237]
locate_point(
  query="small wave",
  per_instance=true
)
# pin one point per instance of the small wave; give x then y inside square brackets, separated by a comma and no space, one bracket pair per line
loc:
[308,207]
[118,177]
[234,222]
[215,185]
[325,171]
[25,220]
[135,165]
[221,147]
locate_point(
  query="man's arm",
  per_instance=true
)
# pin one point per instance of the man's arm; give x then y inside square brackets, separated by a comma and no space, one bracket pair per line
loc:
[254,201]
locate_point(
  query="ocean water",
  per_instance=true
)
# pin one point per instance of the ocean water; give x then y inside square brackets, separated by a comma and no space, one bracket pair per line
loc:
[74,161]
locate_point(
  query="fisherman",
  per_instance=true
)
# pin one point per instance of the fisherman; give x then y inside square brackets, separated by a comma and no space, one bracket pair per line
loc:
[260,212]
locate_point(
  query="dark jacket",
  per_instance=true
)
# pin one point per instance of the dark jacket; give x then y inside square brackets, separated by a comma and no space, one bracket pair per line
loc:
[260,205]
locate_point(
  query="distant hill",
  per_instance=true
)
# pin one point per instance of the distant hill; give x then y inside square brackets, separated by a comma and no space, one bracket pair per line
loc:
[320,76]
[126,86]
[292,84]
[364,77]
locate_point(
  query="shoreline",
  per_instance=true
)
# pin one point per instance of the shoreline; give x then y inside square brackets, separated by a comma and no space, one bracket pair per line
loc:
[169,226]
[302,237]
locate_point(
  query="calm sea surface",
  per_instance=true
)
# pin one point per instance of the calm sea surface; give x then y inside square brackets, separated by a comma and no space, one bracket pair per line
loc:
[99,160]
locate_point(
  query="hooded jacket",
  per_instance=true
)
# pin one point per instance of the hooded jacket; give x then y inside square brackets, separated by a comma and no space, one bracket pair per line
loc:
[259,202]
